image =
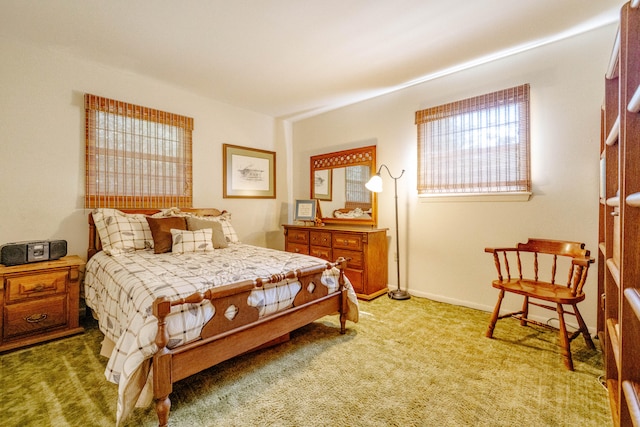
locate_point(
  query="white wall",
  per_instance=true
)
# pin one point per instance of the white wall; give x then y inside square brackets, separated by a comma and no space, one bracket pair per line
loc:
[442,243]
[42,145]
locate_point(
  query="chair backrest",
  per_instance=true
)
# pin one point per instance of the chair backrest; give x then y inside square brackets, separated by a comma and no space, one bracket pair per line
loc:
[578,267]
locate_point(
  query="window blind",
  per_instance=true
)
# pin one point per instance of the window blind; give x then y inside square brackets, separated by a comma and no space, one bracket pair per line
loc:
[136,157]
[478,145]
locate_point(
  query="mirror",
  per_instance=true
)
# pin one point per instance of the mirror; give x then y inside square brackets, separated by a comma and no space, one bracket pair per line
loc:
[337,181]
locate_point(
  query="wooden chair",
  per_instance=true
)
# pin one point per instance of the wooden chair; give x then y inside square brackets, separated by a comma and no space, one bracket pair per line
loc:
[528,258]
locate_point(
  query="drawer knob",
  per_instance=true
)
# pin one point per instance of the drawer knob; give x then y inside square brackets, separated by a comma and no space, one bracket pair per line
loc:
[38,288]
[36,318]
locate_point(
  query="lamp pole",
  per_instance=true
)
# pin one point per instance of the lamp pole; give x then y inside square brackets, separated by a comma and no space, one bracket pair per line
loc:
[398,293]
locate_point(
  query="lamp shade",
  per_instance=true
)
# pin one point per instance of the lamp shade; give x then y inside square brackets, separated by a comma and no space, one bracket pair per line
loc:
[375,183]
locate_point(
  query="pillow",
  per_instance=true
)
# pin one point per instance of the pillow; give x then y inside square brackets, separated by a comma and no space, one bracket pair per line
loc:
[161,231]
[219,240]
[121,232]
[191,241]
[224,219]
[227,228]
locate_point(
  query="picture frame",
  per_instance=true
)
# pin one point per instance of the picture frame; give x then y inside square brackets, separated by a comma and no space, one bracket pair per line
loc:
[248,172]
[321,189]
[305,210]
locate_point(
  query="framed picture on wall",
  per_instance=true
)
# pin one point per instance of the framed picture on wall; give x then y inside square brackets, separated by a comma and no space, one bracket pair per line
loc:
[248,172]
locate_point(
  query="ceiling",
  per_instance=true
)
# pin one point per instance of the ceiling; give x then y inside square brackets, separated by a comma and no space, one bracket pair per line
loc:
[295,58]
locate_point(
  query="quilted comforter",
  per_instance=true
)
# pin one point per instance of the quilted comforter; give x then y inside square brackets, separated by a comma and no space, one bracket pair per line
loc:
[120,291]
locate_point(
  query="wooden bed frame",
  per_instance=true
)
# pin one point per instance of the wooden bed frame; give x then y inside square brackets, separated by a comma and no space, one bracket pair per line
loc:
[222,339]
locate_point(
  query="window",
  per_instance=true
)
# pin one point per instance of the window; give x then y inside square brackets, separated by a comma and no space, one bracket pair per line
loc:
[475,146]
[357,195]
[136,156]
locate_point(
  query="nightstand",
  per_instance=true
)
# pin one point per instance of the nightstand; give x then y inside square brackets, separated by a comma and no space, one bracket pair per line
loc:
[39,301]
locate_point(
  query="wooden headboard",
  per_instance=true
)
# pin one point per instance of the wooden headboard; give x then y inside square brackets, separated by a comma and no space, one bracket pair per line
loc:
[95,245]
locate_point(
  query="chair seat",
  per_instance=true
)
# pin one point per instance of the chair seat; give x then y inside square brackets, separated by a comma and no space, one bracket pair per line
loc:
[559,294]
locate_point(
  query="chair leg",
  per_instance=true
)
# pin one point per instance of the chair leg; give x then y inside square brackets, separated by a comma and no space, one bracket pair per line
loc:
[564,339]
[494,316]
[525,311]
[583,328]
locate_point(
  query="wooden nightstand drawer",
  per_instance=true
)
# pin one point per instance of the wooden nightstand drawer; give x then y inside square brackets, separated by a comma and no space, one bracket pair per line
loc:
[21,287]
[319,238]
[298,236]
[347,241]
[34,316]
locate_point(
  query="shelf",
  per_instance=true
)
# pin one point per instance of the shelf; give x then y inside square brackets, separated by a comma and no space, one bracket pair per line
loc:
[612,386]
[612,327]
[612,138]
[633,296]
[614,270]
[612,69]
[603,248]
[633,200]
[613,201]
[634,102]
[631,392]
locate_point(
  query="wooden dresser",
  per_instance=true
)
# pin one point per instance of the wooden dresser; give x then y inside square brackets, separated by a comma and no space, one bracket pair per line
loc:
[39,301]
[365,250]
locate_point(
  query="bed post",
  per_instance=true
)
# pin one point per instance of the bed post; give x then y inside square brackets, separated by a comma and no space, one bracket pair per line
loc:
[342,264]
[162,385]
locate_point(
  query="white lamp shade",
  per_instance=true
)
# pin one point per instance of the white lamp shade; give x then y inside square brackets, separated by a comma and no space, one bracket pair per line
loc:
[374,184]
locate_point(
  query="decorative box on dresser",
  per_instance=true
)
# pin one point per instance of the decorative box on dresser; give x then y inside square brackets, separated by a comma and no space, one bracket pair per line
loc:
[40,301]
[365,250]
[619,235]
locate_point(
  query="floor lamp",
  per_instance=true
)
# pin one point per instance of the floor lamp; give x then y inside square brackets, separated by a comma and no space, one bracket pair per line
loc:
[375,185]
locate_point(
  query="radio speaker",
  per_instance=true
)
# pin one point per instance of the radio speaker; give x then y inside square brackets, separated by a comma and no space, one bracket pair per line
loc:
[32,251]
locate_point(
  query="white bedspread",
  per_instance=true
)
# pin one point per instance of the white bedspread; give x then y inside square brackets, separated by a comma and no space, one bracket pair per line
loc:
[121,289]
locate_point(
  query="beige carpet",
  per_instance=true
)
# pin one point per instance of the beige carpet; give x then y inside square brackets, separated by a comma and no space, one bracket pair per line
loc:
[407,363]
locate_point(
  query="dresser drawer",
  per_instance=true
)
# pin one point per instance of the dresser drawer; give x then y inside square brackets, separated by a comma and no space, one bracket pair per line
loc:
[21,287]
[321,252]
[355,259]
[34,316]
[356,279]
[320,238]
[347,241]
[297,248]
[298,236]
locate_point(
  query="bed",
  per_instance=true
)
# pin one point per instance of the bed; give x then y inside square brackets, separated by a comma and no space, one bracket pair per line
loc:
[170,309]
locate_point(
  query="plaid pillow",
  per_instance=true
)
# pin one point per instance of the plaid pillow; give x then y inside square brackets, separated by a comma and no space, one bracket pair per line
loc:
[120,232]
[191,241]
[228,230]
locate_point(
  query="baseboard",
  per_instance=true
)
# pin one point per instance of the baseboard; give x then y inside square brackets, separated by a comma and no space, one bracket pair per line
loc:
[489,309]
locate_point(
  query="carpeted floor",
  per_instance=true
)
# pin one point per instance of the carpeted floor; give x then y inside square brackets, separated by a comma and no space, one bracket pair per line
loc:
[406,363]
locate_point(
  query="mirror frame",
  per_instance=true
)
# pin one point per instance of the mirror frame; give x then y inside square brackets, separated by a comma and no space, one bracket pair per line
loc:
[339,159]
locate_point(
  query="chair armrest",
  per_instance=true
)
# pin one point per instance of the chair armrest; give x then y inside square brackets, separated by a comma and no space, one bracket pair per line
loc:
[582,261]
[494,250]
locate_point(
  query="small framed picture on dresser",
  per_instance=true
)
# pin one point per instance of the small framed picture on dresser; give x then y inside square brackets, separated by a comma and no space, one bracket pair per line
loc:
[305,210]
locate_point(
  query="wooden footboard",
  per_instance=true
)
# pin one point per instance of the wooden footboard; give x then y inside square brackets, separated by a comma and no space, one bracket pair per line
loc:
[236,327]
[226,336]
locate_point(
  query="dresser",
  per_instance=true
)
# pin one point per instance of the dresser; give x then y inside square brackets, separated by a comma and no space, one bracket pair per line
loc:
[39,301]
[364,249]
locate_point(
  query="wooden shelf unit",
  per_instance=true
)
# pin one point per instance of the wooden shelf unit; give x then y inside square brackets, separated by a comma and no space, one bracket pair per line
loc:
[619,222]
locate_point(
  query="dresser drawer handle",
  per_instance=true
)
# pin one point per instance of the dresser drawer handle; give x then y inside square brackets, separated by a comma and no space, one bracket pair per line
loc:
[39,287]
[36,318]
